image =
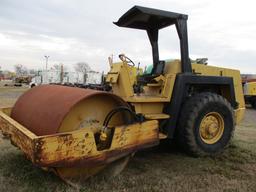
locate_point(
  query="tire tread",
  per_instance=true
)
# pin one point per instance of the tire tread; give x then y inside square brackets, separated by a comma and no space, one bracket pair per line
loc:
[189,113]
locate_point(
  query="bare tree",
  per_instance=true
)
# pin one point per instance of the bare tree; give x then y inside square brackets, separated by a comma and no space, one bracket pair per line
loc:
[32,72]
[20,70]
[82,67]
[57,67]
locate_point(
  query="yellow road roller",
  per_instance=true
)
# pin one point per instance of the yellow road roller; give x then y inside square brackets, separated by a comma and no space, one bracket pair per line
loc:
[79,132]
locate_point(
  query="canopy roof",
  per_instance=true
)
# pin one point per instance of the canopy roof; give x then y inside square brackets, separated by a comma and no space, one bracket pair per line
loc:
[147,18]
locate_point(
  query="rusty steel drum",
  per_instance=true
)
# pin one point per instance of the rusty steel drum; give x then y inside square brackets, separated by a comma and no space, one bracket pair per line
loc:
[50,109]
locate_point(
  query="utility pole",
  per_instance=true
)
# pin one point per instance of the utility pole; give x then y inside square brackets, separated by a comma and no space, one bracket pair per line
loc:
[46,60]
[61,73]
[45,79]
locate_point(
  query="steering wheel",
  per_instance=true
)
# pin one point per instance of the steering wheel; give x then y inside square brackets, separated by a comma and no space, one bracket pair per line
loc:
[126,59]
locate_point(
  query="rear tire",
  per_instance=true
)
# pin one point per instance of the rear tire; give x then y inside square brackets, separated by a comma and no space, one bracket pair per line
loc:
[206,124]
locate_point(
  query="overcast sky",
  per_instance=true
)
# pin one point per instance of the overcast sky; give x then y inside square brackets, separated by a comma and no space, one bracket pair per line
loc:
[81,30]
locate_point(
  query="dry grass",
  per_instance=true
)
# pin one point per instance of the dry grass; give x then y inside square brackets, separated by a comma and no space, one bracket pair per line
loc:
[158,169]
[8,94]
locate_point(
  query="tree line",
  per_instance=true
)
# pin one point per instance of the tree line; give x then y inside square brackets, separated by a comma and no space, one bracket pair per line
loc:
[81,67]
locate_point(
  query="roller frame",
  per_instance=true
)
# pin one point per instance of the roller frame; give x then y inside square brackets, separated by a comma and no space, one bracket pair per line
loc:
[77,148]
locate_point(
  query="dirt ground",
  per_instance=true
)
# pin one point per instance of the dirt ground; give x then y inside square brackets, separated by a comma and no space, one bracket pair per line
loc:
[158,169]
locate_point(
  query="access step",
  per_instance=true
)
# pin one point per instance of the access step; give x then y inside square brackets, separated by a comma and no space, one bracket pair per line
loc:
[156,116]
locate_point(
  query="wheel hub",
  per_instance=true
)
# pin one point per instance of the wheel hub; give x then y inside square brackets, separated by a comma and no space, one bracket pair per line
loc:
[211,128]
